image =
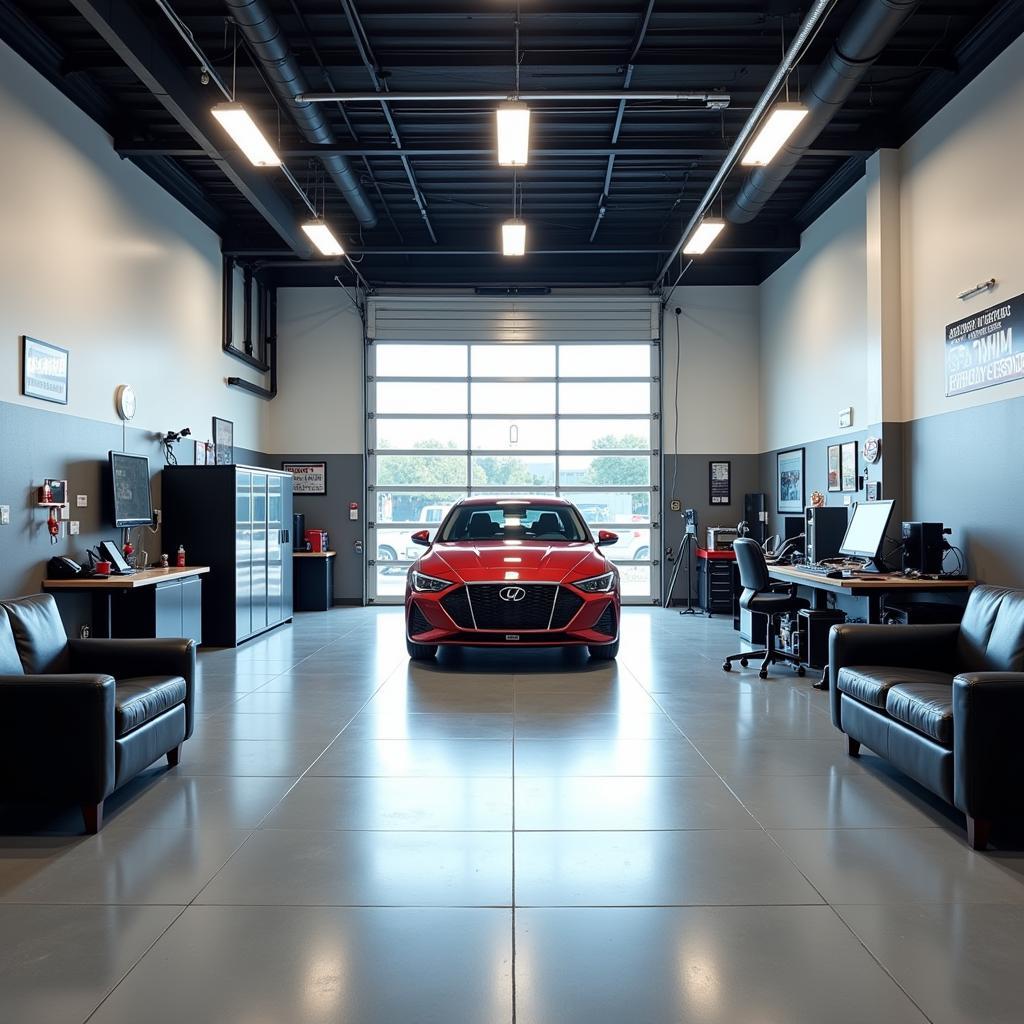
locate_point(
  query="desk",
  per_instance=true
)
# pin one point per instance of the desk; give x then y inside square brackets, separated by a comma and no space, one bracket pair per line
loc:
[147,603]
[874,586]
[314,580]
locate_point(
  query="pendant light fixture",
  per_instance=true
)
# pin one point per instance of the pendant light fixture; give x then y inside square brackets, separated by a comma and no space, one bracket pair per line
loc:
[323,238]
[513,231]
[513,121]
[703,235]
[238,123]
[246,134]
[773,134]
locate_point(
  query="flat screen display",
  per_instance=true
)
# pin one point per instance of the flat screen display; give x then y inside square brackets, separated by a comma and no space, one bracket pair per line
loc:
[866,531]
[132,504]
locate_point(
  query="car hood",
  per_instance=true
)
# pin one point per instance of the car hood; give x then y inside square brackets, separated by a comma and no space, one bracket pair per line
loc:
[493,561]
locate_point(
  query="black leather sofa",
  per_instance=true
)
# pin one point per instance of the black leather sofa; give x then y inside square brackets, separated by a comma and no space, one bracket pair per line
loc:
[80,718]
[945,704]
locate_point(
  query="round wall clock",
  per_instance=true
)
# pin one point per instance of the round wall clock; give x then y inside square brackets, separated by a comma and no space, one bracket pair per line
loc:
[872,449]
[125,401]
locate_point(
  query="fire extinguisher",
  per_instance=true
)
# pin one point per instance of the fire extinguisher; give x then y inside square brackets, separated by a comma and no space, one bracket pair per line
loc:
[53,525]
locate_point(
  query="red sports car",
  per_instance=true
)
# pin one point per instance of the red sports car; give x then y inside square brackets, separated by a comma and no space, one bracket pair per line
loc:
[513,572]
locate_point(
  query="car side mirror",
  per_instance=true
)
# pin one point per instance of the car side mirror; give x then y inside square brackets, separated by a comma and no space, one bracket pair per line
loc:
[421,537]
[606,537]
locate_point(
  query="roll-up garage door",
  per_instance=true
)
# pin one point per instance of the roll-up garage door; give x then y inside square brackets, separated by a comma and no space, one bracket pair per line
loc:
[554,396]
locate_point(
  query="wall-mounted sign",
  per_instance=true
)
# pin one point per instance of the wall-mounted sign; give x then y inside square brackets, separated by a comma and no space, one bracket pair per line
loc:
[986,349]
[719,483]
[44,370]
[307,477]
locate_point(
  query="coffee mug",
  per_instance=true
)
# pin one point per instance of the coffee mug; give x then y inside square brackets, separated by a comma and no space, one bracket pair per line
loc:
[102,568]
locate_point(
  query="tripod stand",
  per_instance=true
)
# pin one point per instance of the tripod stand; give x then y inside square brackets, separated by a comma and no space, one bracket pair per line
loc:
[684,552]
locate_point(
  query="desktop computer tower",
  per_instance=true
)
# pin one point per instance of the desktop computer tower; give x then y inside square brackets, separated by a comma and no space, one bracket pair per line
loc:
[922,547]
[824,529]
[755,512]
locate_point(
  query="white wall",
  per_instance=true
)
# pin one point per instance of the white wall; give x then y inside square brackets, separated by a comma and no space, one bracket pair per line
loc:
[814,330]
[98,259]
[718,375]
[962,214]
[319,406]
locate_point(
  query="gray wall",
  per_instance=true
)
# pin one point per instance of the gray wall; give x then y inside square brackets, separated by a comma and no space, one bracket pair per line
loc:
[38,443]
[966,469]
[691,488]
[330,512]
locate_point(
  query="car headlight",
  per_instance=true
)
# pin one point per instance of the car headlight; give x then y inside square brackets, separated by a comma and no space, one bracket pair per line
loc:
[427,584]
[597,584]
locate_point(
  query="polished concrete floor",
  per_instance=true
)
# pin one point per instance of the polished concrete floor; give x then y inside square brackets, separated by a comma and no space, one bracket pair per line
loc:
[497,837]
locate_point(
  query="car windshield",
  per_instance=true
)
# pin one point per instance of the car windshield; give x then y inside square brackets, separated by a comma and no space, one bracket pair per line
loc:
[509,520]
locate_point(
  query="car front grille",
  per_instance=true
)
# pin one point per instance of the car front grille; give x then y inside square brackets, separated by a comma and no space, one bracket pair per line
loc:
[532,612]
[606,624]
[567,604]
[456,604]
[418,622]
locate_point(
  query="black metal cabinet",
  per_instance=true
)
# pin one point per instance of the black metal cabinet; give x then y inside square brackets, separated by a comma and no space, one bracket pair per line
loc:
[170,608]
[715,578]
[237,520]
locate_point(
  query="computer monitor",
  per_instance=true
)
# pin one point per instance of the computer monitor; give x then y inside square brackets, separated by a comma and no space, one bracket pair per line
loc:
[866,532]
[131,504]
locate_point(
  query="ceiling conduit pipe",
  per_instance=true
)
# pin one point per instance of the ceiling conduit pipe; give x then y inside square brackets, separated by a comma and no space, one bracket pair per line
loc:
[870,29]
[263,34]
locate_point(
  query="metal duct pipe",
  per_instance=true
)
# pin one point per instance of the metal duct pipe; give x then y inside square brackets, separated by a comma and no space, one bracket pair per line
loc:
[864,36]
[264,36]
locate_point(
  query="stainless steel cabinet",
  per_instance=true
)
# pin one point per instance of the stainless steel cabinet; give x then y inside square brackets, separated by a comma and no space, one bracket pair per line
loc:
[237,520]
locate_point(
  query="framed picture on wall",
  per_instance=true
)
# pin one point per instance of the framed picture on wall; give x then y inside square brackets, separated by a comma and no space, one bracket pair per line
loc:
[307,477]
[848,461]
[789,482]
[44,371]
[834,468]
[199,453]
[223,442]
[720,483]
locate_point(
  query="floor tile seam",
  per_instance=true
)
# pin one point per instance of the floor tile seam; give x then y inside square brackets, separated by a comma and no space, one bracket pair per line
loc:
[892,977]
[357,906]
[224,864]
[309,767]
[135,963]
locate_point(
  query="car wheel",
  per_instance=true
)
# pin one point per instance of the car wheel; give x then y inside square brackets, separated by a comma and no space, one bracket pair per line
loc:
[604,652]
[420,652]
[385,553]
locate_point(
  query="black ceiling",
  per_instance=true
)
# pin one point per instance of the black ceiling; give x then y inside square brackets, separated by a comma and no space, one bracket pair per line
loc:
[664,159]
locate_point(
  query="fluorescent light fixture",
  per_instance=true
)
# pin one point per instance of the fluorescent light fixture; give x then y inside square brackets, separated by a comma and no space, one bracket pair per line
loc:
[772,135]
[323,238]
[246,134]
[513,238]
[704,234]
[513,134]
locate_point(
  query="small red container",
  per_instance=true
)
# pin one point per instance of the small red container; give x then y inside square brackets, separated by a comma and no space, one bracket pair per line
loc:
[316,540]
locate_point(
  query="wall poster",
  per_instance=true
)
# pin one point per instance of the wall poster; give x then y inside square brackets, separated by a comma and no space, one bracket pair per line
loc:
[789,481]
[719,483]
[308,477]
[986,348]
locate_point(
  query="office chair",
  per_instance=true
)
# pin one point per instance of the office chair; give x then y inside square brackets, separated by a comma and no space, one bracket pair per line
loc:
[761,597]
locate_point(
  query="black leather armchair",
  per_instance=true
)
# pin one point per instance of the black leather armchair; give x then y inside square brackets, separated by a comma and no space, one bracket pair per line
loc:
[944,703]
[78,719]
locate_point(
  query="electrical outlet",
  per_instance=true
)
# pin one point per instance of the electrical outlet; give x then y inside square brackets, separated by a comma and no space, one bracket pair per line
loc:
[847,499]
[73,525]
[82,500]
[5,515]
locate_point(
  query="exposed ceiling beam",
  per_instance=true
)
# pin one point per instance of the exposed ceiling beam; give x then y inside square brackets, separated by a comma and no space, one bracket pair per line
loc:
[133,39]
[753,59]
[858,143]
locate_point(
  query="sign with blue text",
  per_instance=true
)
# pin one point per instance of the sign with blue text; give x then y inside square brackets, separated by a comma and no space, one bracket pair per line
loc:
[986,349]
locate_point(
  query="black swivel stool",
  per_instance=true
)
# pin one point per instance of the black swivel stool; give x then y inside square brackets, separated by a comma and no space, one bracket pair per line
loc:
[761,597]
